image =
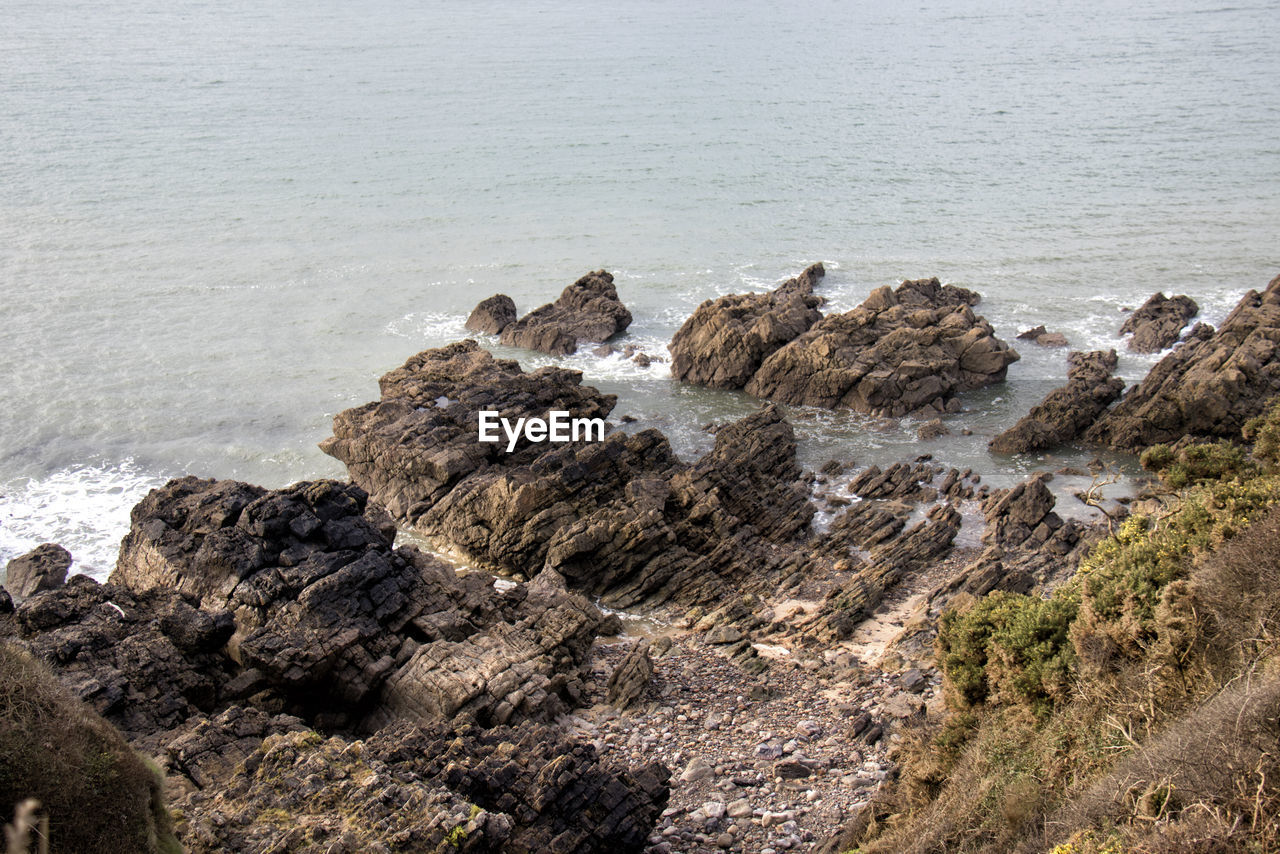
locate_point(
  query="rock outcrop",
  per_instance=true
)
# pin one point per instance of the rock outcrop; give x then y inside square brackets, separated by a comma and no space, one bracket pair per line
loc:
[909,350]
[1068,411]
[492,315]
[1159,322]
[1022,517]
[412,788]
[1208,386]
[725,340]
[622,519]
[587,310]
[1043,337]
[43,568]
[340,624]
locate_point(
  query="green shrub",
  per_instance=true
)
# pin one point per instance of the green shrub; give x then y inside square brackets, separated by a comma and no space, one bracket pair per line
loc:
[1210,461]
[1264,432]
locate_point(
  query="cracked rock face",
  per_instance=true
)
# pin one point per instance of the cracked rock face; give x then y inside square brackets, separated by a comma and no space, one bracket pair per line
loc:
[725,340]
[1208,385]
[903,351]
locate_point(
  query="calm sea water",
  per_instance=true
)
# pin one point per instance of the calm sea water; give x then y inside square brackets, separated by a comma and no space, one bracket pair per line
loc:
[220,223]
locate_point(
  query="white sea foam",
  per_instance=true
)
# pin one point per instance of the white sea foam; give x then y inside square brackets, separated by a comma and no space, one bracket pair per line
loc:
[83,508]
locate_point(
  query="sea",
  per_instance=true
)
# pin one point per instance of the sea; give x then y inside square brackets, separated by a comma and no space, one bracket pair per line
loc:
[220,223]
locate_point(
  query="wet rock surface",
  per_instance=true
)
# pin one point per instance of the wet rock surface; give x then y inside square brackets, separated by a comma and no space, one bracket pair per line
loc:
[905,350]
[725,340]
[1208,386]
[1066,412]
[587,310]
[1159,322]
[43,568]
[492,315]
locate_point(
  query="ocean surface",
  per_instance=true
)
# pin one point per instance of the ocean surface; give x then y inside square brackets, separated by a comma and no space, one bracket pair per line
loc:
[221,222]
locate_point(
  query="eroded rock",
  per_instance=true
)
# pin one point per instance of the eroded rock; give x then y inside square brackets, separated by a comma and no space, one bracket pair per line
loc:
[1159,322]
[43,568]
[587,310]
[492,315]
[1068,411]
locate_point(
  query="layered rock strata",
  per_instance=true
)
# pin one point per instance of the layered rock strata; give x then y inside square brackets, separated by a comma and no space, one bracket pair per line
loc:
[1068,411]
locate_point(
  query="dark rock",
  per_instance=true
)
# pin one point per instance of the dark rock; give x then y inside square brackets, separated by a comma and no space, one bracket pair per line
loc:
[1043,337]
[725,340]
[631,678]
[1023,517]
[43,568]
[1208,386]
[6,602]
[909,350]
[1068,411]
[587,310]
[791,770]
[492,315]
[1159,322]
[417,788]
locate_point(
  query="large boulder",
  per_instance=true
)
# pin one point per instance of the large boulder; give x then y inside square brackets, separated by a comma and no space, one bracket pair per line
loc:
[587,310]
[1068,411]
[492,315]
[43,568]
[1022,517]
[1208,386]
[909,350]
[725,340]
[622,519]
[1159,322]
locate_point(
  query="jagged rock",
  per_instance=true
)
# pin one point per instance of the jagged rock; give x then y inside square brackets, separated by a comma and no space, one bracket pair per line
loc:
[145,661]
[909,350]
[622,519]
[426,789]
[725,340]
[338,622]
[204,753]
[6,602]
[1068,411]
[420,441]
[587,310]
[43,568]
[900,480]
[1159,322]
[1208,386]
[1043,337]
[492,315]
[1023,517]
[932,429]
[631,678]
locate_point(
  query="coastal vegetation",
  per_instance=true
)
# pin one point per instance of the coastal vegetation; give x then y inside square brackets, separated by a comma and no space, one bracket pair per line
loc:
[1135,708]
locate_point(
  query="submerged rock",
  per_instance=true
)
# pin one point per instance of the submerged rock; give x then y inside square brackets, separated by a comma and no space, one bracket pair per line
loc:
[587,310]
[1208,386]
[909,350]
[725,340]
[1159,322]
[1068,411]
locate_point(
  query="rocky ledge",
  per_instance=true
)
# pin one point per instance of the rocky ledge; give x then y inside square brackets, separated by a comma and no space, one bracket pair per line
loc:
[1208,386]
[903,351]
[587,310]
[1066,412]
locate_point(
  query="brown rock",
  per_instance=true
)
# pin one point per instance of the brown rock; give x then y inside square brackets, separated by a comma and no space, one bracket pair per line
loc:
[1068,411]
[492,315]
[724,341]
[587,310]
[43,568]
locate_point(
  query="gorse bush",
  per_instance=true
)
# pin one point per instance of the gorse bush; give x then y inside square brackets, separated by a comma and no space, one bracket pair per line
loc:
[1194,464]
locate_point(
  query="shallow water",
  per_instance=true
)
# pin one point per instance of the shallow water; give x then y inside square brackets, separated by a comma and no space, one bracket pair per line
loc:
[221,223]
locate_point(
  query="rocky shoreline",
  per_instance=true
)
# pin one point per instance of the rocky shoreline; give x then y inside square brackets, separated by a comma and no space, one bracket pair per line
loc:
[305,684]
